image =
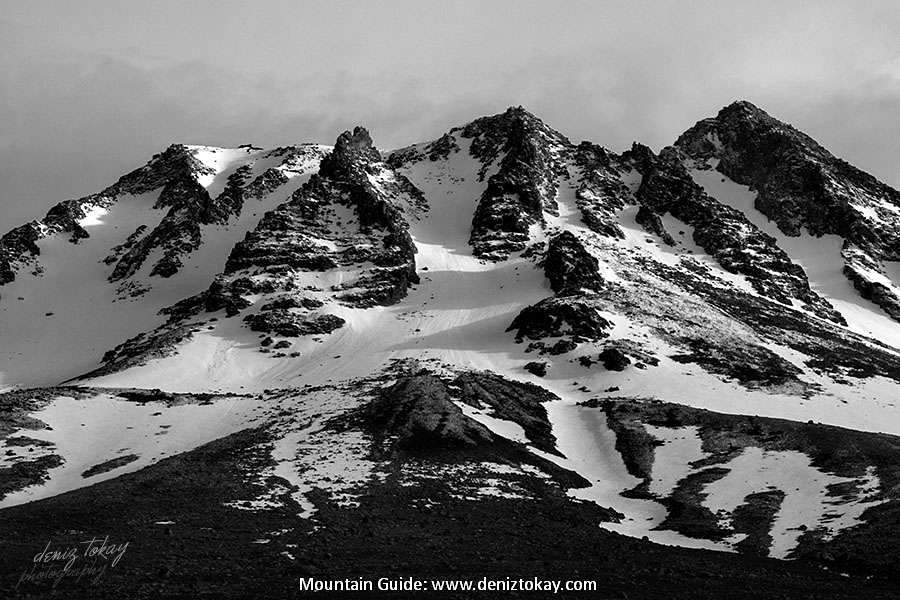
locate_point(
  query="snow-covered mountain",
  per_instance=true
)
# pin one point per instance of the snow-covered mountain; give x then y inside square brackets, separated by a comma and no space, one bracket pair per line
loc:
[699,348]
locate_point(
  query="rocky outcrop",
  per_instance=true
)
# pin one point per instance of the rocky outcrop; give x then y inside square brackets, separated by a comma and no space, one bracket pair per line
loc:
[521,403]
[865,274]
[571,315]
[556,317]
[803,187]
[651,221]
[536,368]
[310,233]
[601,194]
[524,185]
[174,170]
[723,232]
[417,413]
[19,246]
[614,359]
[570,268]
[188,207]
[350,216]
[286,323]
[178,233]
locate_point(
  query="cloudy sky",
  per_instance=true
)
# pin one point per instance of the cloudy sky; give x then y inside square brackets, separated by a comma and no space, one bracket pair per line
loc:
[92,88]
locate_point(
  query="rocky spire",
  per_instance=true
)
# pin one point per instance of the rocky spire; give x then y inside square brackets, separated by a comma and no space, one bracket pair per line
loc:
[350,149]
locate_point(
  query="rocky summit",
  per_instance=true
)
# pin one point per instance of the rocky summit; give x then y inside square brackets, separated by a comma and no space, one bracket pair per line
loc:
[496,354]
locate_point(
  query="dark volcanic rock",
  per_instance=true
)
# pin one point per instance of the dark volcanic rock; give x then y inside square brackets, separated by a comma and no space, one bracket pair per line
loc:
[417,413]
[339,219]
[25,473]
[749,365]
[614,359]
[755,518]
[288,237]
[601,194]
[687,514]
[290,324]
[725,233]
[830,348]
[538,368]
[524,185]
[514,401]
[799,183]
[351,152]
[652,222]
[109,465]
[302,302]
[570,268]
[802,186]
[554,317]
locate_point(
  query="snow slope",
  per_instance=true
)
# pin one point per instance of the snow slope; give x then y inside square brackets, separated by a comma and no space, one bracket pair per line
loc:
[820,257]
[67,312]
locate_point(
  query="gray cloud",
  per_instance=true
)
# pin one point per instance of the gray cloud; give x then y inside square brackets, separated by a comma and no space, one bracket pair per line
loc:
[92,89]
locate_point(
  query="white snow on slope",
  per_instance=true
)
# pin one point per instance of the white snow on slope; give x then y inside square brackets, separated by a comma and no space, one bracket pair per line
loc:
[459,314]
[806,504]
[820,258]
[69,314]
[671,461]
[88,432]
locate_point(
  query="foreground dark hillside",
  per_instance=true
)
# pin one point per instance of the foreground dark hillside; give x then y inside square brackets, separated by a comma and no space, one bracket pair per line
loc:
[208,551]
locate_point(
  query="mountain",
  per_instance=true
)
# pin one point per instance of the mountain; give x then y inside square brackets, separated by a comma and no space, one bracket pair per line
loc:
[499,353]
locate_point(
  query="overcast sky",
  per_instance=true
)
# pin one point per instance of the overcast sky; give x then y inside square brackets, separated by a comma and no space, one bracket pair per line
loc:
[91,89]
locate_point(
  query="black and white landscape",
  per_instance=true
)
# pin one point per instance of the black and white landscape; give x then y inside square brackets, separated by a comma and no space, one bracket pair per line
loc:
[499,353]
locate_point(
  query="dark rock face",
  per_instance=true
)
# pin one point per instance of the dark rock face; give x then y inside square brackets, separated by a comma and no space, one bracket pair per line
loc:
[538,368]
[530,159]
[750,365]
[858,268]
[292,302]
[614,359]
[417,413]
[285,323]
[725,233]
[291,237]
[755,518]
[178,233]
[351,152]
[570,315]
[520,403]
[800,185]
[19,246]
[187,204]
[109,465]
[555,317]
[832,349]
[439,149]
[601,193]
[175,170]
[339,219]
[524,185]
[569,267]
[420,413]
[652,222]
[26,473]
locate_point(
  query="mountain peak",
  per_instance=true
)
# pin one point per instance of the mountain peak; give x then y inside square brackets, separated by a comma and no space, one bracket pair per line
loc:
[350,147]
[744,107]
[359,141]
[514,122]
